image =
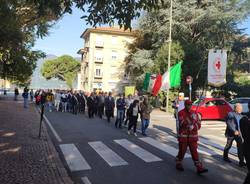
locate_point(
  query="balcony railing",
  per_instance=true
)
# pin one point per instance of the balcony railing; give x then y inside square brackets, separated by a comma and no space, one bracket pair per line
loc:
[99,44]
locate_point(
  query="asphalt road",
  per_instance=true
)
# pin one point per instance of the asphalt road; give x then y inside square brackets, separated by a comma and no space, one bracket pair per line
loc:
[94,151]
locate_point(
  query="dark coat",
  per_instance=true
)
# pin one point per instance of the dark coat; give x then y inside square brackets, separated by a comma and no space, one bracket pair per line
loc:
[232,124]
[109,104]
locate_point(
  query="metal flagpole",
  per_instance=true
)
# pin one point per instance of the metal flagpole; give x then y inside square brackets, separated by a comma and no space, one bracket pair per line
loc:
[169,47]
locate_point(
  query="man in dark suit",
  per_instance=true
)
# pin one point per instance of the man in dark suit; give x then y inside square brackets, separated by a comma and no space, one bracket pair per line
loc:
[245,132]
[233,133]
[109,106]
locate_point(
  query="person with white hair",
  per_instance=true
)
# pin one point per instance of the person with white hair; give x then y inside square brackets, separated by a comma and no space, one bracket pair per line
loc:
[233,133]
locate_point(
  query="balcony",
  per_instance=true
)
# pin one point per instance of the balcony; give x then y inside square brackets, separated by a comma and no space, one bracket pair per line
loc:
[98,77]
[98,60]
[99,44]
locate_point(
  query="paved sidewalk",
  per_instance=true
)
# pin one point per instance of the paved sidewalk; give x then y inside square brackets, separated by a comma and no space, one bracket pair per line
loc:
[26,159]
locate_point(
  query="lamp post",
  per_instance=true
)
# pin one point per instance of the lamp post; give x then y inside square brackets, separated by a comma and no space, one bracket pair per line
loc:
[5,58]
[169,47]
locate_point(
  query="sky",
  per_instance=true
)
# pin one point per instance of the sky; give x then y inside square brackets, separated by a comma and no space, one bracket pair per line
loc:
[64,37]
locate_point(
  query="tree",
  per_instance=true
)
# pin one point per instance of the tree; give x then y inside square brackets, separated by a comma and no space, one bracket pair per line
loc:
[22,22]
[64,68]
[197,26]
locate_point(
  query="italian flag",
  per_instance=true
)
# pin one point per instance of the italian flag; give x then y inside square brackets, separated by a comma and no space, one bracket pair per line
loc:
[149,82]
[172,79]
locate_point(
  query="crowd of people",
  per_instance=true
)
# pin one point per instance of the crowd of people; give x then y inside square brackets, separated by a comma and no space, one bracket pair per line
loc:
[128,109]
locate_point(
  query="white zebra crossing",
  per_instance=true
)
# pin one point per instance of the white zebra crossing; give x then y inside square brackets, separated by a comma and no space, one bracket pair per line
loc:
[163,147]
[77,162]
[73,157]
[138,151]
[107,154]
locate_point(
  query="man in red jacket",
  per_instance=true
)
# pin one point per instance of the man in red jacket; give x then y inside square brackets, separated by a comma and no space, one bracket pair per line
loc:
[188,126]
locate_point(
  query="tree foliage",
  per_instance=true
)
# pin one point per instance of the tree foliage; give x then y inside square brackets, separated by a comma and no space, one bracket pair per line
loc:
[64,68]
[197,26]
[23,21]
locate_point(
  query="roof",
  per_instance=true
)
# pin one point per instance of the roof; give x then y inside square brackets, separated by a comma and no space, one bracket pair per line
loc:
[107,30]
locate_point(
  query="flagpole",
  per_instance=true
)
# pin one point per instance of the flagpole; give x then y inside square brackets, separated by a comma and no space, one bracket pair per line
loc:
[169,48]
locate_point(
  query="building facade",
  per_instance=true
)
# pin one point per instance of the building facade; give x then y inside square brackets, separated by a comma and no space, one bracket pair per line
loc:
[102,67]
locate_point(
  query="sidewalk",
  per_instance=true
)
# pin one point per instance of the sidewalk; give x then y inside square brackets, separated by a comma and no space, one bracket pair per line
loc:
[26,159]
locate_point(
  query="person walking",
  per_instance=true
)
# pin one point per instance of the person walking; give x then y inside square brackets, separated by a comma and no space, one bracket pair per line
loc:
[245,132]
[178,105]
[120,106]
[233,133]
[16,94]
[188,126]
[58,97]
[31,95]
[82,102]
[146,109]
[101,100]
[90,104]
[64,102]
[133,113]
[50,98]
[128,101]
[25,97]
[109,104]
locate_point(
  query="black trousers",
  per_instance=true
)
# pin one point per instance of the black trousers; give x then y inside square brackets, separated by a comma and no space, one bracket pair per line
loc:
[132,123]
[90,112]
[75,109]
[247,157]
[108,114]
[238,140]
[100,110]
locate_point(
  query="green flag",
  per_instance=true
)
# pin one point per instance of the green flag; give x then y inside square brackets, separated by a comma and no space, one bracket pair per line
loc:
[175,75]
[146,81]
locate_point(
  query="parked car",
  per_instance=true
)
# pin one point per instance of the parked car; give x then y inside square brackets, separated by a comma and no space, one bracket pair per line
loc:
[243,101]
[212,108]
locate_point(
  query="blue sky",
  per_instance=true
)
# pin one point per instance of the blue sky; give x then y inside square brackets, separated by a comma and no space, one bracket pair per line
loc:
[65,38]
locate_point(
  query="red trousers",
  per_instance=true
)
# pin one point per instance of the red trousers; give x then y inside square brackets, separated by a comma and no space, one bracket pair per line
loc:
[193,146]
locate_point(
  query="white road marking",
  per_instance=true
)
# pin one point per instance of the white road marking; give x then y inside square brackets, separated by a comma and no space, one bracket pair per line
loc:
[216,145]
[58,138]
[202,150]
[107,154]
[52,129]
[163,147]
[212,125]
[138,151]
[85,180]
[73,157]
[217,138]
[217,128]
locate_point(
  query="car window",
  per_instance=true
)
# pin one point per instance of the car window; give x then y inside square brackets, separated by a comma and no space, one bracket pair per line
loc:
[244,100]
[220,102]
[234,101]
[210,103]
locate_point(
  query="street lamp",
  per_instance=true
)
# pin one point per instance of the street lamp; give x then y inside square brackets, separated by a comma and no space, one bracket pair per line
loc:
[169,47]
[5,58]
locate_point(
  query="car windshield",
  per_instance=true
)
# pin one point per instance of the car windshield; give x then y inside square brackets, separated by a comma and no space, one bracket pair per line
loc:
[197,102]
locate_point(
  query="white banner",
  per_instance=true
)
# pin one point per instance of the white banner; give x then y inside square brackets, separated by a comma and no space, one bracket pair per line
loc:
[217,67]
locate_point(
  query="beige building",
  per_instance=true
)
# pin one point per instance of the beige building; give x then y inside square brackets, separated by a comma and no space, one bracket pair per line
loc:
[105,49]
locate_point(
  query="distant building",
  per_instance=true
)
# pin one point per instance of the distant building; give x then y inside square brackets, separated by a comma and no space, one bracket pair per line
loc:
[103,55]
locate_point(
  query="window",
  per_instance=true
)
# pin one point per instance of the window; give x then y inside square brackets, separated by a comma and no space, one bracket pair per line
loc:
[99,41]
[98,56]
[219,102]
[114,40]
[98,72]
[210,103]
[114,55]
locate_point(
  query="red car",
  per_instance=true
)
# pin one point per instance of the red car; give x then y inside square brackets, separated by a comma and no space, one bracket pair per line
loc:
[212,108]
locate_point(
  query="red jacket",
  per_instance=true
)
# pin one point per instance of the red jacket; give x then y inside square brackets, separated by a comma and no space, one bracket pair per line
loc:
[188,125]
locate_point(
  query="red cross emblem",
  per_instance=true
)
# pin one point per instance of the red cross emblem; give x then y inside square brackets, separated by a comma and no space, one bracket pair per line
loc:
[217,64]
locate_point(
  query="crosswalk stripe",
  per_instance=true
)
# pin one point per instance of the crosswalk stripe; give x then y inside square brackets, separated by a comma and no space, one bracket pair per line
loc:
[217,128]
[85,180]
[138,151]
[107,154]
[221,139]
[213,125]
[202,150]
[216,145]
[163,147]
[73,157]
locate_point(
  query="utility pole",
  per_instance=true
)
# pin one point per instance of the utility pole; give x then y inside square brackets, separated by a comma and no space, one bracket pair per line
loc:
[169,47]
